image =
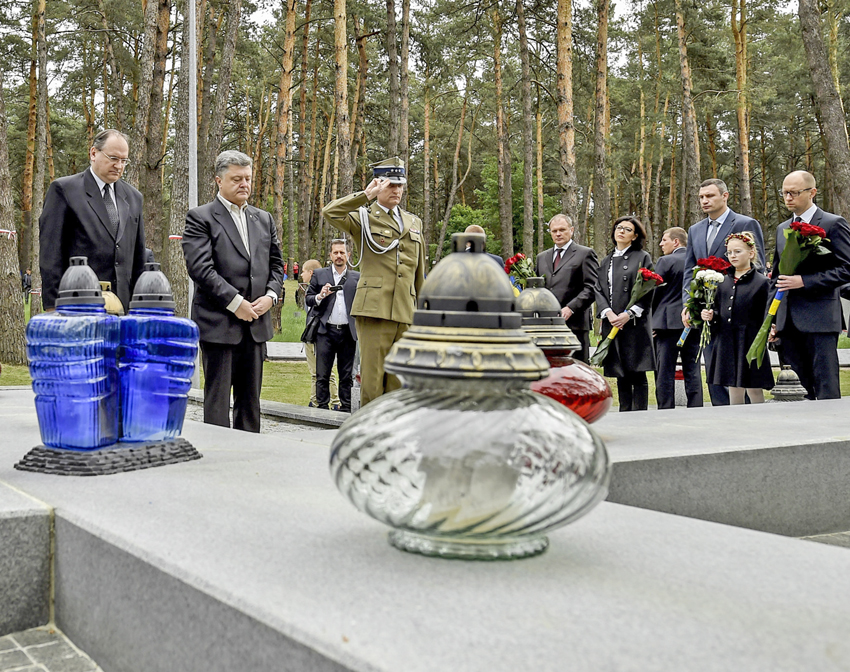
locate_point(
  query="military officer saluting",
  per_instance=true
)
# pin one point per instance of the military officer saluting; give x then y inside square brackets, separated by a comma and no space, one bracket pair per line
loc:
[392,268]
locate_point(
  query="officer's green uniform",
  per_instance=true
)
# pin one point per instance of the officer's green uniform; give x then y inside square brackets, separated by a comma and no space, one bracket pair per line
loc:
[389,284]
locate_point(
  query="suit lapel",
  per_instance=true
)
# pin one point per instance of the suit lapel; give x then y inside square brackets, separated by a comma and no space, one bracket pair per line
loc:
[725,230]
[95,199]
[226,221]
[123,209]
[254,225]
[568,254]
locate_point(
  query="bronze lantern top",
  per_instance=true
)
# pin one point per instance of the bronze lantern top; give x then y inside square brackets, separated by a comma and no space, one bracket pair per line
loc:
[542,320]
[466,324]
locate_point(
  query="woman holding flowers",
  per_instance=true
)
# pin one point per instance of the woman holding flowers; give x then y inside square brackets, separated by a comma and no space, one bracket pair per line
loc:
[735,319]
[631,354]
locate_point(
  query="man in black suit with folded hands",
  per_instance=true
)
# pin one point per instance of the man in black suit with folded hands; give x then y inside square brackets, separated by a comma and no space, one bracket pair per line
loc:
[331,292]
[667,326]
[809,318]
[233,256]
[570,271]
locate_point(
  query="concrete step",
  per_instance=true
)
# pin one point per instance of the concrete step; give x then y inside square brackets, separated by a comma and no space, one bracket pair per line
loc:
[250,559]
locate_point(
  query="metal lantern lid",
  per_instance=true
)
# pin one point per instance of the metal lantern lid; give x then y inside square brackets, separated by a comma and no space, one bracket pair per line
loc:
[466,325]
[788,387]
[152,289]
[79,284]
[542,320]
[112,303]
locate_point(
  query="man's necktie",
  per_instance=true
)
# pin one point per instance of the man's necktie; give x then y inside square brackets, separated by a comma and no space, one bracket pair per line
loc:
[397,218]
[797,219]
[714,227]
[559,254]
[111,210]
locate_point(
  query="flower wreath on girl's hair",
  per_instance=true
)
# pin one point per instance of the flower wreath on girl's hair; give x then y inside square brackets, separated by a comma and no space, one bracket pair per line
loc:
[745,237]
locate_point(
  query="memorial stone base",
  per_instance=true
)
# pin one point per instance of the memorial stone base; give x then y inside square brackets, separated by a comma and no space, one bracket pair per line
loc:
[249,559]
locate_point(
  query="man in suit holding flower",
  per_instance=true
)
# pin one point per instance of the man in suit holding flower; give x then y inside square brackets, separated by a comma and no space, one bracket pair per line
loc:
[809,318]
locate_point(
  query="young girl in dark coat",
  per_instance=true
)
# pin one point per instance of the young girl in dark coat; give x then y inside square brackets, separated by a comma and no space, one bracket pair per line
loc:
[631,354]
[738,312]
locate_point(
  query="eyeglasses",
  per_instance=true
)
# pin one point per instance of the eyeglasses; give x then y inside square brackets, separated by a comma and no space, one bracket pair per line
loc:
[624,229]
[115,159]
[793,194]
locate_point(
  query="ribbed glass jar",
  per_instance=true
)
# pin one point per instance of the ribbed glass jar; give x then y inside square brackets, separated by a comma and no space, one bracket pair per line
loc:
[72,353]
[469,468]
[156,364]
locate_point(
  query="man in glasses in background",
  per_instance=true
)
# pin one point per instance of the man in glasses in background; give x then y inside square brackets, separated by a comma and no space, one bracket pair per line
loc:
[809,318]
[94,214]
[707,238]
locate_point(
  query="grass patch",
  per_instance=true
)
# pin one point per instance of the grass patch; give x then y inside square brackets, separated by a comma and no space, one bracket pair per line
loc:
[292,318]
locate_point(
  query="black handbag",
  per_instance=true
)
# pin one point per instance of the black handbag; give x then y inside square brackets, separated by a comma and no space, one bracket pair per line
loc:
[311,331]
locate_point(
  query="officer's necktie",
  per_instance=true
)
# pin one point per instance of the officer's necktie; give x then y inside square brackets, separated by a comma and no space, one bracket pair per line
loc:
[397,218]
[111,210]
[714,227]
[559,254]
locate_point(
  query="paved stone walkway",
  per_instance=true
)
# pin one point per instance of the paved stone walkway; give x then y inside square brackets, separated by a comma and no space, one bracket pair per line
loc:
[42,650]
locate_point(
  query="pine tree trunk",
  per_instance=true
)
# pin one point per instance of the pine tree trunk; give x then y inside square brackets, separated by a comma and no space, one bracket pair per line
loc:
[404,94]
[115,79]
[541,239]
[284,102]
[829,105]
[25,244]
[504,147]
[222,89]
[742,111]
[305,162]
[455,184]
[146,76]
[149,178]
[40,157]
[12,346]
[392,66]
[690,144]
[426,178]
[601,197]
[177,273]
[566,124]
[527,138]
[346,177]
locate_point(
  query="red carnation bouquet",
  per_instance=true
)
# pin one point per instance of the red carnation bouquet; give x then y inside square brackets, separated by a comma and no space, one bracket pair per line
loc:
[801,240]
[645,282]
[520,269]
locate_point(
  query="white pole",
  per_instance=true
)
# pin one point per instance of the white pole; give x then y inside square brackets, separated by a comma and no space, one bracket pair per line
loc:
[192,67]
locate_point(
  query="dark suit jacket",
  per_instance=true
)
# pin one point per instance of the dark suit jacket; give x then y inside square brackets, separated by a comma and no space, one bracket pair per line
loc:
[816,307]
[734,223]
[221,268]
[74,223]
[667,300]
[349,289]
[573,283]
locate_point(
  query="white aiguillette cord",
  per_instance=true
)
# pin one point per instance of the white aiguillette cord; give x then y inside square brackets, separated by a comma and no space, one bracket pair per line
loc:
[367,239]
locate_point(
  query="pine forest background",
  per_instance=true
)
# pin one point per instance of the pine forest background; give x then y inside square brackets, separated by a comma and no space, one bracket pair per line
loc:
[505,112]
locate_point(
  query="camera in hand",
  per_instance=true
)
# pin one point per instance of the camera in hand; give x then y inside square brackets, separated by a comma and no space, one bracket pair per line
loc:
[336,288]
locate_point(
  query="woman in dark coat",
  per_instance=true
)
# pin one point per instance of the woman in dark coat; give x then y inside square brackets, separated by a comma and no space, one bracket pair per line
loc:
[739,309]
[631,353]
